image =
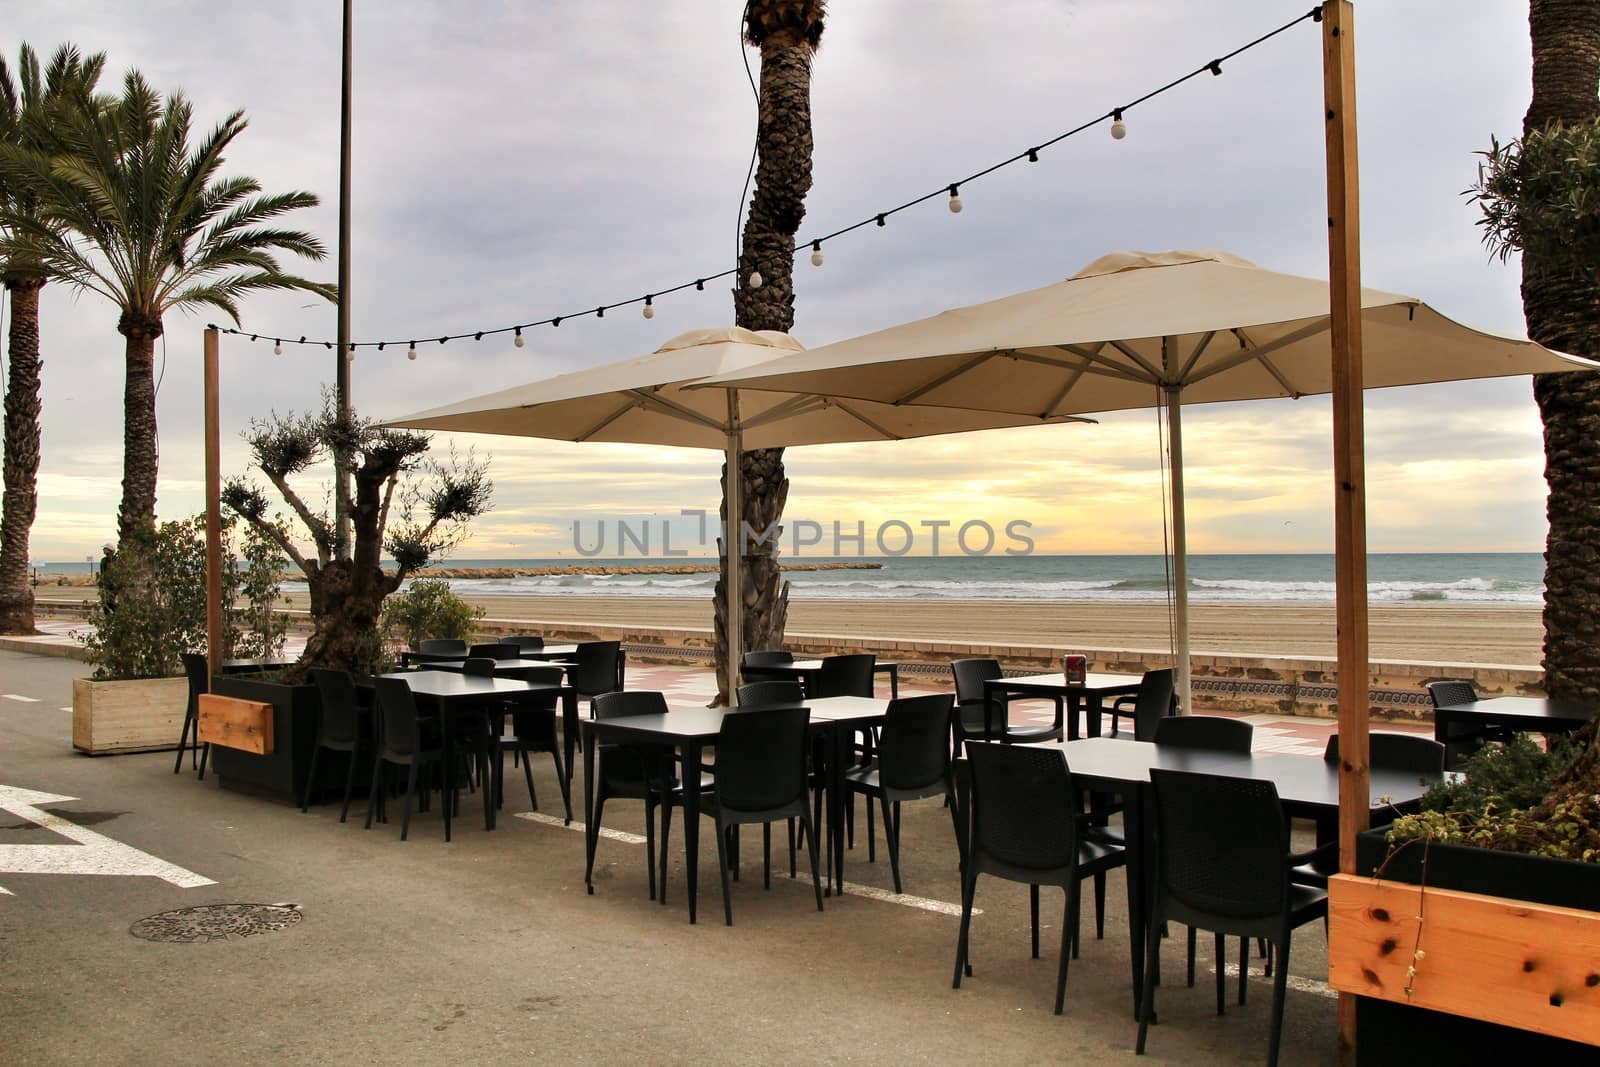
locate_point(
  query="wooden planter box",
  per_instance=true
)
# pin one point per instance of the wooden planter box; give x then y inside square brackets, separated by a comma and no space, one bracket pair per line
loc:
[1511,964]
[280,773]
[143,715]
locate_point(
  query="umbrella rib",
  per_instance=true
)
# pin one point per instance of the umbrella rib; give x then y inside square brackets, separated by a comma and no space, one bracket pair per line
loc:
[1094,365]
[1149,368]
[607,421]
[667,407]
[798,404]
[945,378]
[1199,350]
[1272,369]
[1309,330]
[853,413]
[1074,376]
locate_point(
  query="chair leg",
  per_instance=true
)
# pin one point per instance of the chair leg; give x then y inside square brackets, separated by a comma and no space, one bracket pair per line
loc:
[1033,915]
[650,842]
[872,837]
[766,855]
[1221,953]
[349,783]
[666,832]
[205,754]
[1191,957]
[813,848]
[1280,980]
[791,847]
[561,780]
[1074,918]
[444,806]
[1147,996]
[374,791]
[1069,923]
[891,836]
[527,772]
[968,891]
[1244,965]
[722,868]
[183,738]
[311,779]
[1100,907]
[411,789]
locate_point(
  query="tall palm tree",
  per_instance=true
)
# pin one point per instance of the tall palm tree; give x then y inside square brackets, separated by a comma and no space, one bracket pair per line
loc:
[1562,306]
[25,100]
[788,33]
[133,213]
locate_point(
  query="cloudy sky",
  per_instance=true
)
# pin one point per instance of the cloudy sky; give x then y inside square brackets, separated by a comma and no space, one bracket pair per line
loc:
[515,161]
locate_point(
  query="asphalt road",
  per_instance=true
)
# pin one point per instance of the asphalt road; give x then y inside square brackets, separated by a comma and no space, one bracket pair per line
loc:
[488,950]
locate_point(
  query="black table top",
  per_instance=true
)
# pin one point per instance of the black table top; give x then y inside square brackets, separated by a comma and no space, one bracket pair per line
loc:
[550,652]
[704,724]
[1304,782]
[1531,710]
[816,665]
[450,685]
[1057,683]
[506,666]
[245,666]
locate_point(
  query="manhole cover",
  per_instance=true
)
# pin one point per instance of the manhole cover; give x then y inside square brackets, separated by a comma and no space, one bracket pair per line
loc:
[216,922]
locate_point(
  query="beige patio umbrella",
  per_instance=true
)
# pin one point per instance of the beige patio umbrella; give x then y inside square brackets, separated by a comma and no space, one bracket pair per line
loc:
[644,401]
[1141,329]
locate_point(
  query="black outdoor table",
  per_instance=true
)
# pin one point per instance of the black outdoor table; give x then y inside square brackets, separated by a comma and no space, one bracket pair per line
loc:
[254,666]
[807,671]
[551,652]
[455,694]
[1088,694]
[1538,715]
[1307,787]
[844,715]
[690,730]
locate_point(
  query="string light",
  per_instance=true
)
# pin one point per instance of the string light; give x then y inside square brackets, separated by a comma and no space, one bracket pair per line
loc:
[1119,130]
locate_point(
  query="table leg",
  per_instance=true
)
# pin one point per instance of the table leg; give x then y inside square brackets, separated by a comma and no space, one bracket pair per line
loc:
[591,832]
[1092,713]
[569,730]
[841,751]
[447,727]
[894,681]
[691,820]
[1140,872]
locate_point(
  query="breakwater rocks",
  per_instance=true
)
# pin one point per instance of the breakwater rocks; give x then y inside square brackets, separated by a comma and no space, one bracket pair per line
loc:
[609,568]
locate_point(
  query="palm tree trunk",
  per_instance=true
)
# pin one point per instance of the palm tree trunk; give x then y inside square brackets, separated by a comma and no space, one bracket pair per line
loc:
[783,177]
[138,508]
[21,457]
[1563,312]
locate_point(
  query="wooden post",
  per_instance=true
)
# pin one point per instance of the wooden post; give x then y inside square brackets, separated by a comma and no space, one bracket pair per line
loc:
[213,508]
[1349,500]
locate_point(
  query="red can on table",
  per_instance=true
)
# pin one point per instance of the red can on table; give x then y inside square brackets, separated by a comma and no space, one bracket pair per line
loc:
[1077,669]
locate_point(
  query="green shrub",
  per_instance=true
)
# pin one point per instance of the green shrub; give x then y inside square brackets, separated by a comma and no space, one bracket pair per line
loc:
[427,609]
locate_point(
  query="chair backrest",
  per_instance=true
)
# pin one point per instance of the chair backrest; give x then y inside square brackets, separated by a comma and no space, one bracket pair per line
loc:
[341,707]
[397,711]
[596,667]
[772,693]
[766,657]
[1396,752]
[1221,843]
[915,748]
[970,675]
[525,642]
[1204,731]
[543,675]
[1023,813]
[634,702]
[1451,692]
[478,666]
[761,759]
[442,646]
[1153,703]
[845,676]
[497,650]
[197,670]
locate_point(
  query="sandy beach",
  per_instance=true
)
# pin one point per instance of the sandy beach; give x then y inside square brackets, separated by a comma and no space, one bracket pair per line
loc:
[1438,632]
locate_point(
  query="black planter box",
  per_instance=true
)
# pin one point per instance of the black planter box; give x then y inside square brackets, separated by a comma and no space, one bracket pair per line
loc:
[1389,1033]
[281,775]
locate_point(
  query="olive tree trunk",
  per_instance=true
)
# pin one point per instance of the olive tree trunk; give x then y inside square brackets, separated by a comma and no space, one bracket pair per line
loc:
[20,501]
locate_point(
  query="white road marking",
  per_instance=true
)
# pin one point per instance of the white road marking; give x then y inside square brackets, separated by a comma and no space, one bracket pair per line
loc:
[1295,982]
[67,709]
[938,907]
[19,698]
[93,853]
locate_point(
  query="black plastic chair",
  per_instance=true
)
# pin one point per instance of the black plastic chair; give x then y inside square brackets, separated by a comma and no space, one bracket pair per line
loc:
[1023,825]
[913,763]
[198,672]
[772,693]
[1150,705]
[844,676]
[343,725]
[1461,739]
[442,646]
[761,777]
[497,650]
[401,742]
[751,664]
[1205,731]
[634,772]
[597,668]
[525,642]
[1223,864]
[969,721]
[533,729]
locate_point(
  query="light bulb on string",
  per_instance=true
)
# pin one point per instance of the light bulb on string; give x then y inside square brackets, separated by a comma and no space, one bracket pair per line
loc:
[1119,129]
[816,253]
[351,355]
[277,347]
[955,200]
[755,279]
[411,353]
[518,341]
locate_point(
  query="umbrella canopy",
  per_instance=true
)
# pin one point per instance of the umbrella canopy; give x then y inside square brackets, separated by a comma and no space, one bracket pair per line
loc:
[1139,329]
[646,401]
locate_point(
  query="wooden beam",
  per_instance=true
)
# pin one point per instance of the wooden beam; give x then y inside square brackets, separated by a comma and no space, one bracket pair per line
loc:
[1526,965]
[232,723]
[213,507]
[1349,473]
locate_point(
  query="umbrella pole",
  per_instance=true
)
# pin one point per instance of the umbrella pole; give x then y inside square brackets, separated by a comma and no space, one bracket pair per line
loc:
[1180,551]
[732,543]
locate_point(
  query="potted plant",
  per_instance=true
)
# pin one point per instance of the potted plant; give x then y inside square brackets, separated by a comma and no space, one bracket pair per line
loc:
[1472,933]
[149,610]
[427,609]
